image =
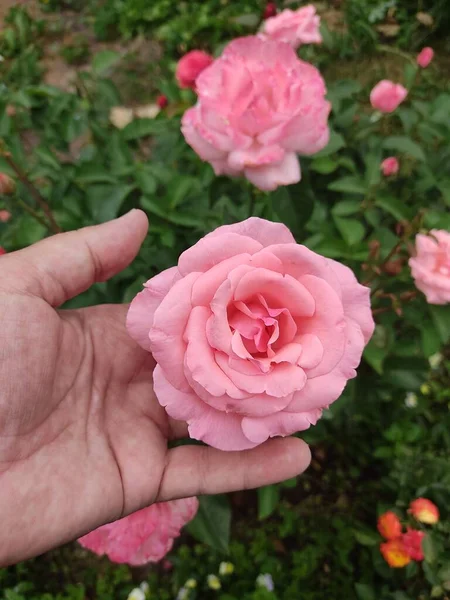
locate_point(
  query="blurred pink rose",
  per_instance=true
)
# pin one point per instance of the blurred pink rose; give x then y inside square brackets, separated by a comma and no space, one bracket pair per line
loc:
[258,105]
[2,251]
[390,166]
[5,216]
[387,95]
[430,267]
[253,334]
[424,57]
[144,536]
[190,66]
[294,27]
[412,542]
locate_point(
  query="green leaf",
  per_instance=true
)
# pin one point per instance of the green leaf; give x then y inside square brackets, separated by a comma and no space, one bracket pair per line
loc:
[444,188]
[139,128]
[428,548]
[349,184]
[394,206]
[105,200]
[441,319]
[352,230]
[378,348]
[212,522]
[404,144]
[367,537]
[324,165]
[346,208]
[91,173]
[268,498]
[336,143]
[104,60]
[431,341]
[364,592]
[284,207]
[406,373]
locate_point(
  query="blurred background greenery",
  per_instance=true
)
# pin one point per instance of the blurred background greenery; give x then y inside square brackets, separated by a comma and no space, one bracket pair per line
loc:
[65,66]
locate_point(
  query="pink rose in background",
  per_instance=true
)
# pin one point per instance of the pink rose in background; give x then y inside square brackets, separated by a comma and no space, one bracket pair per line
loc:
[144,536]
[430,267]
[424,57]
[390,166]
[5,216]
[258,105]
[387,95]
[253,334]
[294,27]
[2,251]
[190,66]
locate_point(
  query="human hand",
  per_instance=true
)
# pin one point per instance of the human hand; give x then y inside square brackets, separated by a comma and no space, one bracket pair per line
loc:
[83,440]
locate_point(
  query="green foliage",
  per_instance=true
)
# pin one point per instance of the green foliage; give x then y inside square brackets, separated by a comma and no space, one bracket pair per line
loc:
[378,447]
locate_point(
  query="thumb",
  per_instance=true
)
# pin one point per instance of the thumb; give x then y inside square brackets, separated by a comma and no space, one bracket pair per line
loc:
[64,265]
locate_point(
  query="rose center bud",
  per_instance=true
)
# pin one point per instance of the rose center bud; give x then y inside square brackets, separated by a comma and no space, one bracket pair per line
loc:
[261,331]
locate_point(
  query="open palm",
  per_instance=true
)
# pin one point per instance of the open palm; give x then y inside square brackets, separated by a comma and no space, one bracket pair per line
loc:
[83,440]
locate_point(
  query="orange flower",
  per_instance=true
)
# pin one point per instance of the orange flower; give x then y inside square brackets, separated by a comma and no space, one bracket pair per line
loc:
[424,511]
[394,553]
[389,525]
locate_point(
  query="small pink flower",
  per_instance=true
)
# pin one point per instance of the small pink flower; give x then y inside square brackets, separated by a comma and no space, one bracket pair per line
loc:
[253,334]
[258,106]
[412,542]
[144,536]
[5,216]
[430,268]
[390,166]
[387,95]
[2,251]
[294,27]
[424,57]
[190,66]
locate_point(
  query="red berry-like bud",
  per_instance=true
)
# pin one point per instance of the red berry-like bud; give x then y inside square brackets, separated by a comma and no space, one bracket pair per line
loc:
[270,10]
[162,101]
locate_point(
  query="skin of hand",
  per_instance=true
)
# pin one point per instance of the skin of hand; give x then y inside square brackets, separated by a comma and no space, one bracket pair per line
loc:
[83,440]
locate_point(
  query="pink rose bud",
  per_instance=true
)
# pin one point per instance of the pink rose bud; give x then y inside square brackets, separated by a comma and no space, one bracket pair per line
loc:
[7,185]
[294,27]
[424,57]
[162,101]
[390,166]
[430,268]
[190,66]
[11,110]
[5,216]
[253,334]
[270,10]
[258,105]
[386,96]
[144,536]
[2,251]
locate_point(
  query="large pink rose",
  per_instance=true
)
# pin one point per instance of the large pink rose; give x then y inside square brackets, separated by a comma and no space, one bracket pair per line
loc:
[294,27]
[258,105]
[190,66]
[387,95]
[144,536]
[253,334]
[431,266]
